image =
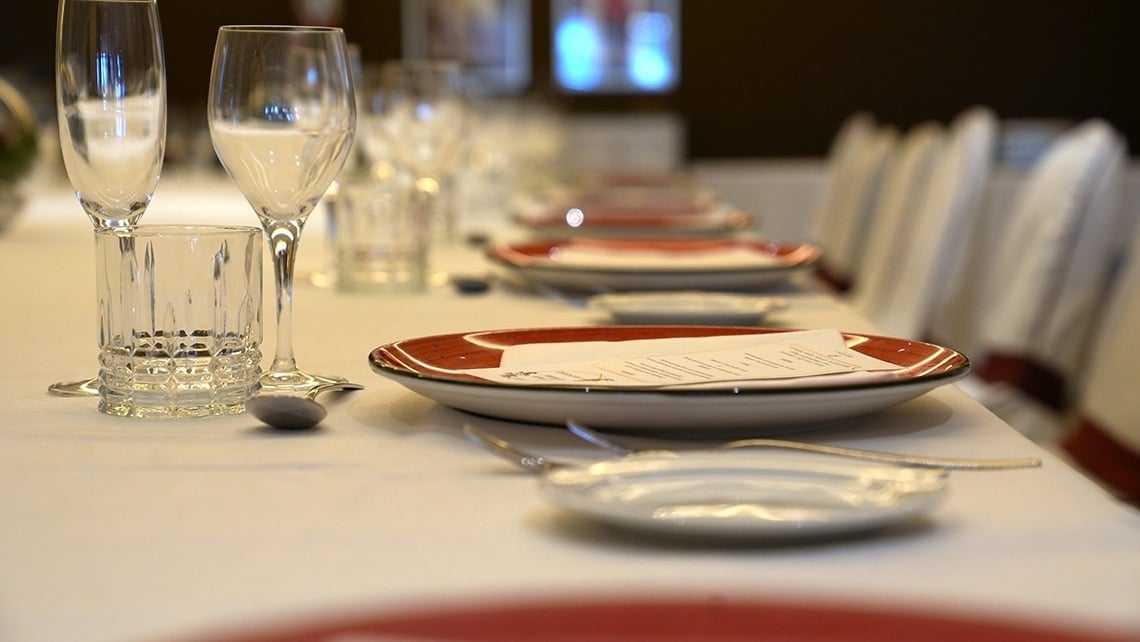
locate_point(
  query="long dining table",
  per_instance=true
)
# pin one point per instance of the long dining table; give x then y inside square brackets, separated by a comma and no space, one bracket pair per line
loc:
[116,529]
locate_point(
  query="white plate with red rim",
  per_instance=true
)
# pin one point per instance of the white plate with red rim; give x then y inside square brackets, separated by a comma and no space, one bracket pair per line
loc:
[616,219]
[440,368]
[623,265]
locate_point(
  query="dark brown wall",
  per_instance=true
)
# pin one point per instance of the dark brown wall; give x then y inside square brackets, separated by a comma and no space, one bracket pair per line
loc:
[761,77]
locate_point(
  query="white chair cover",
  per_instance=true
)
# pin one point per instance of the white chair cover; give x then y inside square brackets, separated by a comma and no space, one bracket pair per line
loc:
[1047,279]
[1106,439]
[843,253]
[852,136]
[934,254]
[855,165]
[1064,341]
[905,181]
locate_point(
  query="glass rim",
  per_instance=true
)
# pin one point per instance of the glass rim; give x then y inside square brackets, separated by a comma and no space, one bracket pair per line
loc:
[281,28]
[176,229]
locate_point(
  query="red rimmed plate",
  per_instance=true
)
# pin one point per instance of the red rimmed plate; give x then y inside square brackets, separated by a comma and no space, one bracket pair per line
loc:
[611,218]
[669,264]
[709,619]
[436,367]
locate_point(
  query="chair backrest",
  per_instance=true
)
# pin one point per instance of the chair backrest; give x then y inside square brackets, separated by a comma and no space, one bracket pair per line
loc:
[851,137]
[1051,264]
[856,215]
[1067,332]
[856,162]
[905,181]
[1106,438]
[933,257]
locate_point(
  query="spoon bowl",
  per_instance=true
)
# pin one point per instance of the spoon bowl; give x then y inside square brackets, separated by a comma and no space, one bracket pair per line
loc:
[290,412]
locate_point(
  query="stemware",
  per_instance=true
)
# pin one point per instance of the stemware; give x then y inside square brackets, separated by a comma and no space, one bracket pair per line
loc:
[418,112]
[282,116]
[111,106]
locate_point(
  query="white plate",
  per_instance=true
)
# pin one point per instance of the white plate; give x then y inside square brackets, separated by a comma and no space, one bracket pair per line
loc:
[669,263]
[438,367]
[750,494]
[698,308]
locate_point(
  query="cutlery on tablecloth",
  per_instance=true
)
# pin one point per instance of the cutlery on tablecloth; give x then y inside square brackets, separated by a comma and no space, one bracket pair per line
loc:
[956,463]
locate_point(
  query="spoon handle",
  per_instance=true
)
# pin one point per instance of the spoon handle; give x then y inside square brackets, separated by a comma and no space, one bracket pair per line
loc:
[341,386]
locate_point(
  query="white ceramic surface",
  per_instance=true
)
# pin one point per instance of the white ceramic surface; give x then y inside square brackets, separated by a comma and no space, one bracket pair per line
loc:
[745,494]
[689,307]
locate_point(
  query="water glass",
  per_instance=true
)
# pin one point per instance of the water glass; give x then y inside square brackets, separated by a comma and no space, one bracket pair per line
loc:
[179,319]
[382,235]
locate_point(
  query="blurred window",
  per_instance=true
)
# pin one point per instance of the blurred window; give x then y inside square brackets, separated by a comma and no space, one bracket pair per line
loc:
[616,46]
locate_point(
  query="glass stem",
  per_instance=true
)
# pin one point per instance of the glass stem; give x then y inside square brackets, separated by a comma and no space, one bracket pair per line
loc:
[283,237]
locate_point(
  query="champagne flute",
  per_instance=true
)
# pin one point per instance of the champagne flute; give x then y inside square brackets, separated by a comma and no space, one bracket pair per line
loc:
[282,117]
[111,107]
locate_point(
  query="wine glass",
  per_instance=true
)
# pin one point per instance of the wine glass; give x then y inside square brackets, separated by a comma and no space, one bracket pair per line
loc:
[282,117]
[111,107]
[419,109]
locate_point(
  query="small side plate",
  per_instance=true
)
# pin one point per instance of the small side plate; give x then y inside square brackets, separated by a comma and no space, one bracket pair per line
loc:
[755,495]
[688,307]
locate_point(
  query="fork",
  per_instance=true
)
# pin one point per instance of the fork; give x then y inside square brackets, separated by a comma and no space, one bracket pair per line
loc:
[505,449]
[540,463]
[949,463]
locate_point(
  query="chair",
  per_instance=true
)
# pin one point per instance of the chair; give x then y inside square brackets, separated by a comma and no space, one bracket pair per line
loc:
[1046,280]
[1105,439]
[905,181]
[857,158]
[933,253]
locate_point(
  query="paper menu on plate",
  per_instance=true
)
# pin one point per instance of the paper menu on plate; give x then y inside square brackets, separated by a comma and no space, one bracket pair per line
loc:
[777,359]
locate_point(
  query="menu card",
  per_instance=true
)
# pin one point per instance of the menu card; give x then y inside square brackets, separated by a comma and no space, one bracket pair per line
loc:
[766,360]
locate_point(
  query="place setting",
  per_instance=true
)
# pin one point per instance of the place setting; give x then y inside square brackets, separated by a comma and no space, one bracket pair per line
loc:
[729,401]
[597,265]
[614,204]
[747,491]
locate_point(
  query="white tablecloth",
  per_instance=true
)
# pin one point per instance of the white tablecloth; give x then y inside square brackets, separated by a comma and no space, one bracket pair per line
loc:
[115,529]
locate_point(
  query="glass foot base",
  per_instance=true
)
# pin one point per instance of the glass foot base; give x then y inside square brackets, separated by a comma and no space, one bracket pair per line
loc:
[85,388]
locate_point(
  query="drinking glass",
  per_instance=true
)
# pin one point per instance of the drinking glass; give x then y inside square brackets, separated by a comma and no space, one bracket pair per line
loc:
[419,109]
[282,117]
[111,106]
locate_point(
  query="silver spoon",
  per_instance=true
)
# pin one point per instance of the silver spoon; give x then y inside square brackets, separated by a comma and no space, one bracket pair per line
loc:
[294,413]
[956,463]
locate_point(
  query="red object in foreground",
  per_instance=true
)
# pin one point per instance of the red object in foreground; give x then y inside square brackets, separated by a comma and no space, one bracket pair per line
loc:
[706,620]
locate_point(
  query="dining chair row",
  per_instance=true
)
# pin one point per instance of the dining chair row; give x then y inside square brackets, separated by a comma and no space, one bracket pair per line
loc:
[1104,435]
[1021,289]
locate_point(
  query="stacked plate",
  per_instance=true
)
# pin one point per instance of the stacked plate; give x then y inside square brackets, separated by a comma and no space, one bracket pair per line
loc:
[620,265]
